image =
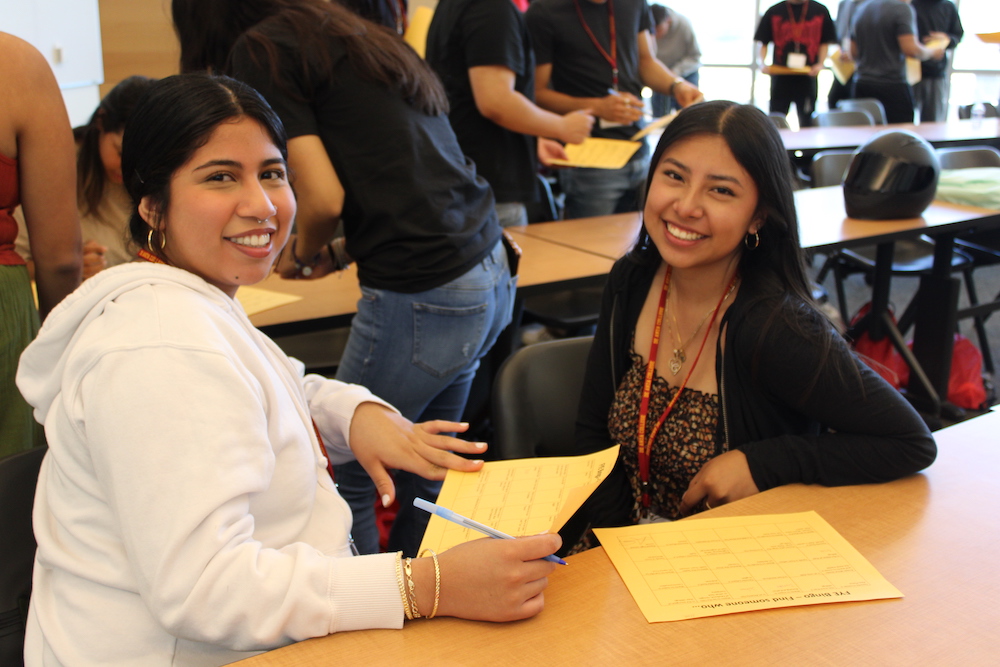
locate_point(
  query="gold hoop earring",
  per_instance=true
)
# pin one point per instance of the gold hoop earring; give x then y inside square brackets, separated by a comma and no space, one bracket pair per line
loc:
[756,241]
[149,240]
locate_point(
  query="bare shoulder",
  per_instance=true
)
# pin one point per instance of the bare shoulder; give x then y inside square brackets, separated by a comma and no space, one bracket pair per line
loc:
[31,96]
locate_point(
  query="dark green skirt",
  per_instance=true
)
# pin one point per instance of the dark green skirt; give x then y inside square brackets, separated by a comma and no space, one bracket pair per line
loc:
[18,326]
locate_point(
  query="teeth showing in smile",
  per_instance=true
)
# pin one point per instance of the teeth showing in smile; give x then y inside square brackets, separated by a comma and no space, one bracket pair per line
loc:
[682,234]
[254,241]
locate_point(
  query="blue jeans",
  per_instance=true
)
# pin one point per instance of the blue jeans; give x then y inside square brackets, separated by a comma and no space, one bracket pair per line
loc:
[591,192]
[420,352]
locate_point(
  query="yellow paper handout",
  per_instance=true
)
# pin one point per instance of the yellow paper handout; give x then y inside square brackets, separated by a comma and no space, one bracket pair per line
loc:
[709,567]
[598,153]
[517,497]
[256,300]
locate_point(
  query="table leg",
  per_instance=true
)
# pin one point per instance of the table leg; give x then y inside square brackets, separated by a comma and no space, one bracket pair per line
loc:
[935,324]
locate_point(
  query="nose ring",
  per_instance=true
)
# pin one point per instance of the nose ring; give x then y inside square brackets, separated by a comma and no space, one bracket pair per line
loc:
[261,222]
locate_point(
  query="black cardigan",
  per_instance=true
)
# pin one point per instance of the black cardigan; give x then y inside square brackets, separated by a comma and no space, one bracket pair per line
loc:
[797,416]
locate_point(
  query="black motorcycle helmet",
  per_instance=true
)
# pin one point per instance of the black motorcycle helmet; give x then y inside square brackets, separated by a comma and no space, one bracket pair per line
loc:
[893,175]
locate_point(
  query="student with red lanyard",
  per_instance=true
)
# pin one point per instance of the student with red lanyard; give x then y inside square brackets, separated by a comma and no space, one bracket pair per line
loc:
[801,31]
[711,365]
[596,55]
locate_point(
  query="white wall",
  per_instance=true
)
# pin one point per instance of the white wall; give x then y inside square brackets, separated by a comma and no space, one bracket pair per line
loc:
[68,34]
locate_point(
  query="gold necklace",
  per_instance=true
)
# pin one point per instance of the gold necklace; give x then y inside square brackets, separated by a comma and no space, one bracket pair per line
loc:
[677,360]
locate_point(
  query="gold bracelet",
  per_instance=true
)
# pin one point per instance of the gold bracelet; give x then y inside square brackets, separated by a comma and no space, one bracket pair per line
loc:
[437,581]
[408,575]
[402,586]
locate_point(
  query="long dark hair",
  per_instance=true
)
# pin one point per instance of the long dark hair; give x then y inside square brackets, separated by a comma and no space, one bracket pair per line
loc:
[757,146]
[173,120]
[207,31]
[110,116]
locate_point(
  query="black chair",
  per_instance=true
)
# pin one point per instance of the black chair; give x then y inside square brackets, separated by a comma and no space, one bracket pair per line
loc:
[535,399]
[965,112]
[873,106]
[982,246]
[779,121]
[842,118]
[18,477]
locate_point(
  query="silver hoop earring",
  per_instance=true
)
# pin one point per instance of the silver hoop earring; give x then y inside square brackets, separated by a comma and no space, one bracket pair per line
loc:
[756,241]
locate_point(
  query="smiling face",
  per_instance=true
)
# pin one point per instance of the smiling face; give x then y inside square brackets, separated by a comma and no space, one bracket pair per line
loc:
[700,205]
[216,199]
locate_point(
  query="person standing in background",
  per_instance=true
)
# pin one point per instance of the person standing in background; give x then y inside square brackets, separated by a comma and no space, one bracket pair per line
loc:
[597,55]
[801,32]
[37,171]
[845,10]
[677,48]
[481,51]
[883,33]
[931,93]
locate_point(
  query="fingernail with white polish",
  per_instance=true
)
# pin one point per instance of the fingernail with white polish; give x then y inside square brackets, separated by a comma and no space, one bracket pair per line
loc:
[385,500]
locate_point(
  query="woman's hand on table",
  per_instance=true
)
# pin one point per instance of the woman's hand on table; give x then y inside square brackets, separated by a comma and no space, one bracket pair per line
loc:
[488,579]
[722,480]
[382,440]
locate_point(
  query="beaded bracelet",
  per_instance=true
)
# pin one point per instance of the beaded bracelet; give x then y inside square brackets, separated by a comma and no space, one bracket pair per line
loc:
[402,586]
[437,581]
[303,268]
[411,589]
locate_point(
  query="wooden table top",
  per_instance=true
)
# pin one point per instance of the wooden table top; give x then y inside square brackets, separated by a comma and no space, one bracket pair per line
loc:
[607,235]
[934,536]
[332,300]
[952,132]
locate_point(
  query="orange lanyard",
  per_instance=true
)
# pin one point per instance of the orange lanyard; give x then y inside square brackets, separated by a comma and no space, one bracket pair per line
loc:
[797,26]
[611,57]
[646,444]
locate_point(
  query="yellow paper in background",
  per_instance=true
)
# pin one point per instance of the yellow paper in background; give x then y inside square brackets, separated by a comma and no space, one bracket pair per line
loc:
[599,153]
[842,68]
[517,497]
[989,37]
[417,27]
[256,300]
[709,567]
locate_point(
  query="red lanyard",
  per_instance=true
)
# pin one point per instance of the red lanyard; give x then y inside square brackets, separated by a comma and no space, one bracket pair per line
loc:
[149,257]
[611,57]
[797,26]
[646,444]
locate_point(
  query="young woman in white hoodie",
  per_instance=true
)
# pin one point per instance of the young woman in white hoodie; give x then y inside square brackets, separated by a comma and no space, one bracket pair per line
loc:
[184,513]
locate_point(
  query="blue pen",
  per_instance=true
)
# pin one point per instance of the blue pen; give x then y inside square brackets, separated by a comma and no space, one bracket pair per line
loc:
[454,517]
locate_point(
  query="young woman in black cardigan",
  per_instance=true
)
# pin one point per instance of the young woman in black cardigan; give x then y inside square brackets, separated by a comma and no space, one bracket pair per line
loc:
[711,365]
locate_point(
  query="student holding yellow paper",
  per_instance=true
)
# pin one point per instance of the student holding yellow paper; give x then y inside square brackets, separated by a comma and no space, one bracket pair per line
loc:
[597,55]
[711,365]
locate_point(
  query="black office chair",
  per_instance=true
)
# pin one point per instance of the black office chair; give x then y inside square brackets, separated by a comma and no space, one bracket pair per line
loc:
[18,476]
[965,112]
[842,118]
[982,246]
[779,121]
[873,106]
[535,399]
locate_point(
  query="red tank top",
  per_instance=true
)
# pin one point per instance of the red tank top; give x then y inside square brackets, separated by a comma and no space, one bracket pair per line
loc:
[9,200]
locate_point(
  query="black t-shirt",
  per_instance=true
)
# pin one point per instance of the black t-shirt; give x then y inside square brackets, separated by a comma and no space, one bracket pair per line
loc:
[578,67]
[476,33]
[416,215]
[791,32]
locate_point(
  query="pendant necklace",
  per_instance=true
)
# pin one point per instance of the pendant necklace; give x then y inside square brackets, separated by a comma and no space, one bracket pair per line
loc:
[678,359]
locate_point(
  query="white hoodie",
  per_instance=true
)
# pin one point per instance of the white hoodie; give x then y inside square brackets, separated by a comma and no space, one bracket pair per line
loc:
[184,514]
